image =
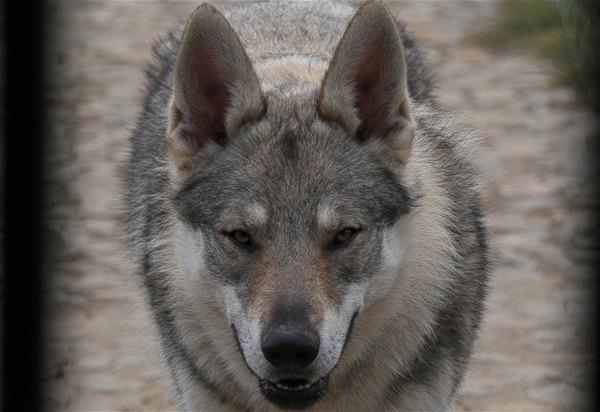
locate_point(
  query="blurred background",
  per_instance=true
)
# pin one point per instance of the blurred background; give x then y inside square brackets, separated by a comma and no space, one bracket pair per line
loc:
[516,70]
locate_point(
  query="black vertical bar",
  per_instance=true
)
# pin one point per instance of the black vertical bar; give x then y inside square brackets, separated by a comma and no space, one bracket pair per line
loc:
[23,120]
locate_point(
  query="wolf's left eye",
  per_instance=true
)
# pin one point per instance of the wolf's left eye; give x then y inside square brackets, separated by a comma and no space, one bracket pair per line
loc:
[241,238]
[344,236]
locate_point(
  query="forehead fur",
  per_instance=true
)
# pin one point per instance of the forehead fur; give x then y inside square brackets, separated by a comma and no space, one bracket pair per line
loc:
[289,163]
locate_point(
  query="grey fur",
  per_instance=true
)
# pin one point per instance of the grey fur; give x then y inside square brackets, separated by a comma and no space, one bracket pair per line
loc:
[292,175]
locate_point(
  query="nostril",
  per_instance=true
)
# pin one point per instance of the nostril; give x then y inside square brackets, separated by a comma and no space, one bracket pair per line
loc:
[302,356]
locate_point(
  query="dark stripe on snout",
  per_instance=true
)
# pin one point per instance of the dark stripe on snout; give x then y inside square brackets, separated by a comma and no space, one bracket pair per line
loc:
[289,146]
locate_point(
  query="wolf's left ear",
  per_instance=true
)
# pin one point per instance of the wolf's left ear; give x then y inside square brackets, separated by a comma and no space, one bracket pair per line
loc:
[365,86]
[215,87]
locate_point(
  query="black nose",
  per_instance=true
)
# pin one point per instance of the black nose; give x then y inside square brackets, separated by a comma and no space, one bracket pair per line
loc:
[289,348]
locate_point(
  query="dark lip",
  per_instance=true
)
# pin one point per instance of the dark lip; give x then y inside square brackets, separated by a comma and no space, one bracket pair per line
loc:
[349,332]
[293,399]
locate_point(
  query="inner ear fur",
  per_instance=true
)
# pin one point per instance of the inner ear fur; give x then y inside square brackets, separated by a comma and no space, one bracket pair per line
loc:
[365,87]
[215,87]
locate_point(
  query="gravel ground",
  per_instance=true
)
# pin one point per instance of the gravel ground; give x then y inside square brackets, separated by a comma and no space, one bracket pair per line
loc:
[532,355]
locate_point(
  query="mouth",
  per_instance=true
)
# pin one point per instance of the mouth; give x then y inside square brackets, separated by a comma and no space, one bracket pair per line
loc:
[294,394]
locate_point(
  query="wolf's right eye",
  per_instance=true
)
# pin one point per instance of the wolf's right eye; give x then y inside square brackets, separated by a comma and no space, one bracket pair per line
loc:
[343,237]
[241,238]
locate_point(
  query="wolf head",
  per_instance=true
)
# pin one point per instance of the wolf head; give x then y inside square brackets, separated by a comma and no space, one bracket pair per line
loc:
[290,208]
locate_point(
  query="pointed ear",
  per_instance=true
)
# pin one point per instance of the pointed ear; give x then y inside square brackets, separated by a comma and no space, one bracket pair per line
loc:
[364,88]
[215,88]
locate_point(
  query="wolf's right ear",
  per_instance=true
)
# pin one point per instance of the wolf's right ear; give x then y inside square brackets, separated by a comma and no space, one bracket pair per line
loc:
[365,87]
[215,88]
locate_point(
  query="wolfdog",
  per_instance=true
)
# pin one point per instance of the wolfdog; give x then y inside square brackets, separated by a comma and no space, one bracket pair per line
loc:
[306,219]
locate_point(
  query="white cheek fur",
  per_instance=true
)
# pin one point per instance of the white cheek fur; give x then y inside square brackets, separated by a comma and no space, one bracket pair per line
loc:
[248,330]
[335,325]
[190,252]
[394,249]
[394,246]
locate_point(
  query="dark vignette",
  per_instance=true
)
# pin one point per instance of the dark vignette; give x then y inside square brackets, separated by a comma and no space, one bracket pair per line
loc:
[23,122]
[590,37]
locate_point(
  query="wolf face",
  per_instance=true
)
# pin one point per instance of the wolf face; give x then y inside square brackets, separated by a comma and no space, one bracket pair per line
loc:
[291,207]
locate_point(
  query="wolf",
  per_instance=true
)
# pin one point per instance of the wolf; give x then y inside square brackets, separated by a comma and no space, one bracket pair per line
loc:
[306,220]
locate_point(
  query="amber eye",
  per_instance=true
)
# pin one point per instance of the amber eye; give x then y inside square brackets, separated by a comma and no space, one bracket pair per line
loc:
[241,237]
[344,235]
